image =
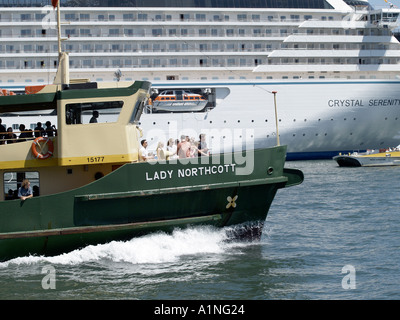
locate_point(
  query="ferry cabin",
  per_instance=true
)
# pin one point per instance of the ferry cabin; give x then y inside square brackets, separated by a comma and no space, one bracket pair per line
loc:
[82,151]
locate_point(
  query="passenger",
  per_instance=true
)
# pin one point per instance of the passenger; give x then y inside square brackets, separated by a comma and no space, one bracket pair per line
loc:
[10,195]
[10,137]
[3,132]
[203,149]
[23,133]
[25,191]
[39,130]
[183,148]
[51,130]
[193,149]
[29,133]
[144,154]
[171,149]
[160,151]
[94,117]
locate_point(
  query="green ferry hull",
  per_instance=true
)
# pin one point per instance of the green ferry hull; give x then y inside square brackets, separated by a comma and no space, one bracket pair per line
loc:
[140,198]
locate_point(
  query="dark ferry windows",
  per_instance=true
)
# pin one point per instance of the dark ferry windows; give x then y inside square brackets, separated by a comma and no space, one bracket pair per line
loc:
[78,113]
[13,180]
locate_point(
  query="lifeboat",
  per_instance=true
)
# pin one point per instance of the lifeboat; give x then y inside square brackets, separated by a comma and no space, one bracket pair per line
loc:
[179,101]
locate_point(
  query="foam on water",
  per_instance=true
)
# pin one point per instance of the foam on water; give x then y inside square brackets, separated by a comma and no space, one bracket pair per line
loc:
[153,248]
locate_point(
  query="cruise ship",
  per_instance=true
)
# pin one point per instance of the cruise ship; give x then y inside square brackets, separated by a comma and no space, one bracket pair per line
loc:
[327,72]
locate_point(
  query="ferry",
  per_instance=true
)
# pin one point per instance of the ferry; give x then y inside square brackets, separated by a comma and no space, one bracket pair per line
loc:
[84,183]
[370,158]
[333,63]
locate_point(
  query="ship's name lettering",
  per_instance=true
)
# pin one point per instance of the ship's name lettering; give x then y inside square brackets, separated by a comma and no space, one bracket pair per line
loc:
[361,103]
[190,172]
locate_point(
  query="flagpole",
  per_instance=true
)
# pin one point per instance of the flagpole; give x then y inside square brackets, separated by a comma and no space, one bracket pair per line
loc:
[59,28]
[276,119]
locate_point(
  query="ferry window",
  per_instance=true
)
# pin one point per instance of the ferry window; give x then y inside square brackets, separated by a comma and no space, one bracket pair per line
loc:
[13,180]
[97,112]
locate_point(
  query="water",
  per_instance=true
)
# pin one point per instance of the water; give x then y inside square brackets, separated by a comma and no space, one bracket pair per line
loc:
[338,218]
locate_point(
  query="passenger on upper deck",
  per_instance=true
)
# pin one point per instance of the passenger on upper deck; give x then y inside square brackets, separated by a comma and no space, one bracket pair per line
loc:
[39,130]
[10,137]
[94,117]
[24,134]
[51,130]
[3,132]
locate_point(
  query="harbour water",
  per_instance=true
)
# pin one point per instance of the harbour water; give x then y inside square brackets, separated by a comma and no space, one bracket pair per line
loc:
[336,236]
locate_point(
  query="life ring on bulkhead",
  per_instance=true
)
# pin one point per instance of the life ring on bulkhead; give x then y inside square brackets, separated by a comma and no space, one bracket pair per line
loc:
[37,144]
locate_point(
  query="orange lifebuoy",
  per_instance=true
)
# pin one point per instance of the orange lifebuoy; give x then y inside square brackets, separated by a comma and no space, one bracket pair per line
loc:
[38,153]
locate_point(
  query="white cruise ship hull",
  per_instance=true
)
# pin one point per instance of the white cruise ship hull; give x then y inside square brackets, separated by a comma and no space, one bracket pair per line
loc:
[316,119]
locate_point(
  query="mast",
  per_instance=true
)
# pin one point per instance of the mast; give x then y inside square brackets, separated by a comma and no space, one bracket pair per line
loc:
[58,28]
[62,75]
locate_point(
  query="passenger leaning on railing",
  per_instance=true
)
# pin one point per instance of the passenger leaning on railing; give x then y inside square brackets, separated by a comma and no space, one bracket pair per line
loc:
[2,132]
[39,130]
[10,137]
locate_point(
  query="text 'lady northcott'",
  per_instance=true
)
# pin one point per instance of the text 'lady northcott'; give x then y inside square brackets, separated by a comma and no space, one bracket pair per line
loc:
[190,172]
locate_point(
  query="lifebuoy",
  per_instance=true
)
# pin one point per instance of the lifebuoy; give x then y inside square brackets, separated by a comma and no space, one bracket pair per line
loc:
[38,154]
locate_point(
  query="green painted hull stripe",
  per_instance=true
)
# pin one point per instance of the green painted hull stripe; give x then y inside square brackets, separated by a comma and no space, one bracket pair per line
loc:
[128,194]
[113,227]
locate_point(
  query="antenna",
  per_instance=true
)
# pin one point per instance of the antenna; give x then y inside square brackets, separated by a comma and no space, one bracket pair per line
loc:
[276,119]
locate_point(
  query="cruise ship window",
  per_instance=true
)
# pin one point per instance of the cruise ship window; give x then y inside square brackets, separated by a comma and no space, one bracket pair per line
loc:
[70,16]
[142,16]
[84,17]
[26,32]
[128,32]
[25,17]
[127,16]
[84,32]
[39,16]
[200,17]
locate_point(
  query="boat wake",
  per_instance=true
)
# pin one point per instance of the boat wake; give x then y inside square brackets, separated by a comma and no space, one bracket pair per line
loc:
[156,248]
